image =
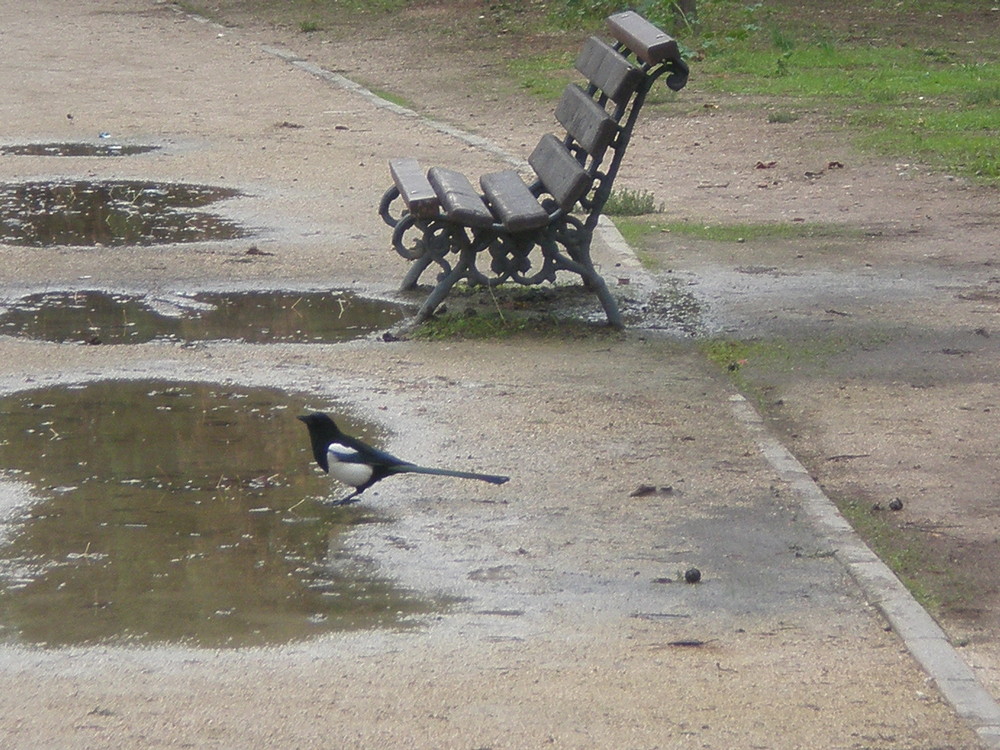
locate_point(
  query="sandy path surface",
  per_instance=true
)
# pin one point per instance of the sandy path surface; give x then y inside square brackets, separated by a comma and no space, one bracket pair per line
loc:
[564,634]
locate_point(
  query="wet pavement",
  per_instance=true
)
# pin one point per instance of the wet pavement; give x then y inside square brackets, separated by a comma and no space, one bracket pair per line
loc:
[158,495]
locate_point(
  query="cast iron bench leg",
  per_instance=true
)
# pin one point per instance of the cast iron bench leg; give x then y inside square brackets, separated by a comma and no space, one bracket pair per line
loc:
[413,274]
[592,280]
[608,302]
[466,260]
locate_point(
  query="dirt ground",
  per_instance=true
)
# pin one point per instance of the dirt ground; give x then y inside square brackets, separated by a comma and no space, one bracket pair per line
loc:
[568,634]
[887,323]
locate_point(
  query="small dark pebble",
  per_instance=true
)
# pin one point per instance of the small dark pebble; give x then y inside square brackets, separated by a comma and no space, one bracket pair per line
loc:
[692,575]
[896,504]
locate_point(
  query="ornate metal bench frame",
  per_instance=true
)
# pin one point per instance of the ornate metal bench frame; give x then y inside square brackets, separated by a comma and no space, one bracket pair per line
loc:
[454,224]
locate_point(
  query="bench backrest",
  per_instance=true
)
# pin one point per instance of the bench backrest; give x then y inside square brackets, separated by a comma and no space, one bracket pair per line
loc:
[602,115]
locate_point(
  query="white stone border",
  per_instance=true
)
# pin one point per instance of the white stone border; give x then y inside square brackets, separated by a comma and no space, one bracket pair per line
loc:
[922,636]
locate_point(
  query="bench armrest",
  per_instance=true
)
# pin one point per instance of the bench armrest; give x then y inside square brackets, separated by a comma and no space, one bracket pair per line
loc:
[647,42]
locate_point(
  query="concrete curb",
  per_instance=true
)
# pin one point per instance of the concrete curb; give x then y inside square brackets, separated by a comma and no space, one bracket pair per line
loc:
[343,82]
[923,637]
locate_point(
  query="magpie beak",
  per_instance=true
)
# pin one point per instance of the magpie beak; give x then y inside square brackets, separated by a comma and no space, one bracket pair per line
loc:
[359,465]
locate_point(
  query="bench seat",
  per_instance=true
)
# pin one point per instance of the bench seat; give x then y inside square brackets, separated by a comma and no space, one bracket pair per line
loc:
[513,202]
[459,200]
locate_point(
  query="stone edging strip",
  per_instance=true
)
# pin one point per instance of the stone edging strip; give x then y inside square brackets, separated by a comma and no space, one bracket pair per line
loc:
[346,83]
[922,636]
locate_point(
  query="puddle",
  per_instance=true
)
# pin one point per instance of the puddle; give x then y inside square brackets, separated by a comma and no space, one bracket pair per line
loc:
[251,317]
[175,512]
[74,149]
[83,213]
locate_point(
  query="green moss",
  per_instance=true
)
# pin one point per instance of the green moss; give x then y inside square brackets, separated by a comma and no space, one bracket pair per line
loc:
[926,571]
[455,325]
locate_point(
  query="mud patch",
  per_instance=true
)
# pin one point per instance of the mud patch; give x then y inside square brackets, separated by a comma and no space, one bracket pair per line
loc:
[113,213]
[671,308]
[175,512]
[96,317]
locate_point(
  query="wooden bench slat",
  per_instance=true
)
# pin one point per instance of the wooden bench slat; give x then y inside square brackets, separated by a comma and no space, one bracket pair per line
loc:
[647,42]
[416,191]
[561,174]
[513,201]
[608,70]
[586,121]
[460,201]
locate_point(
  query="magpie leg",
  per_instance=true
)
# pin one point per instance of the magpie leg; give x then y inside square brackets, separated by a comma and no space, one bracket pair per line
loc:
[352,498]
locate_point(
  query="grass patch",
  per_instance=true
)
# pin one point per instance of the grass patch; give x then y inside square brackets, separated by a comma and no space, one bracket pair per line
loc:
[393,98]
[472,312]
[934,580]
[497,326]
[901,551]
[733,356]
[635,231]
[872,69]
[543,76]
[461,326]
[756,365]
[782,118]
[954,141]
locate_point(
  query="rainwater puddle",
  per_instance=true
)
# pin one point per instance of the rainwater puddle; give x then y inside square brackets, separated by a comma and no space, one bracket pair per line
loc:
[74,149]
[251,317]
[175,512]
[114,213]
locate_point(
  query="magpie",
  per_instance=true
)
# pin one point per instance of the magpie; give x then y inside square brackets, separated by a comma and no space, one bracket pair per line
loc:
[359,465]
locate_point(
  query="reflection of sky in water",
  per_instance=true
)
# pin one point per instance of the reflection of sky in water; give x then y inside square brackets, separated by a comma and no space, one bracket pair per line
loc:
[75,149]
[112,213]
[148,511]
[252,317]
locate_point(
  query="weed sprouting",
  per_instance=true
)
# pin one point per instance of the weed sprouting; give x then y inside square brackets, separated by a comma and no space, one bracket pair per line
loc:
[626,202]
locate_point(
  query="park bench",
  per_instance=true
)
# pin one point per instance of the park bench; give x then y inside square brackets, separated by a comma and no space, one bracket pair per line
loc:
[442,219]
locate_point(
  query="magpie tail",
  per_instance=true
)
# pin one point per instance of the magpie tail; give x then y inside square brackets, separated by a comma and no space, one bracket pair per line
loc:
[414,469]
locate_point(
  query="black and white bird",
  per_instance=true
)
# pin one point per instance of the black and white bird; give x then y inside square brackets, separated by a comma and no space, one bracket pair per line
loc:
[359,465]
